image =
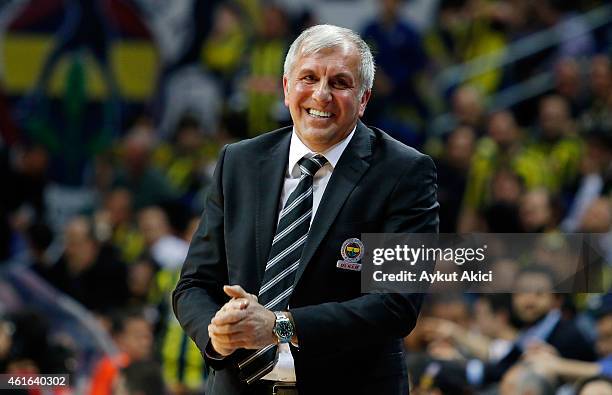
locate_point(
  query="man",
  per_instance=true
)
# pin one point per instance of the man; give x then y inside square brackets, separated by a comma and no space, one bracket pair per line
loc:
[86,268]
[536,313]
[340,340]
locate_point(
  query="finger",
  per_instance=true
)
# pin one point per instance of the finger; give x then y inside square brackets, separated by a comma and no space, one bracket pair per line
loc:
[236,304]
[229,341]
[235,340]
[221,348]
[228,329]
[235,291]
[228,317]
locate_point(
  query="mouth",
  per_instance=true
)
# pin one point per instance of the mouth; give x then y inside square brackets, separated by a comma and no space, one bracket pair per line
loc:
[319,114]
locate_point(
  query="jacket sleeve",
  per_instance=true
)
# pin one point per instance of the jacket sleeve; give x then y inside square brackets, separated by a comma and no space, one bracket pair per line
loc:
[199,292]
[374,318]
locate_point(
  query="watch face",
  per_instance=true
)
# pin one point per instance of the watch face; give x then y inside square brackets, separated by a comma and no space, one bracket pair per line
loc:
[284,330]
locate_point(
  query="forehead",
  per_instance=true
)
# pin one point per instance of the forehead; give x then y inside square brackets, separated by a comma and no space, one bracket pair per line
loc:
[334,60]
[534,282]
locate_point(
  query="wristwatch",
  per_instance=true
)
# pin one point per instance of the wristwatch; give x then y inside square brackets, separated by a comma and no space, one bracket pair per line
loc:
[283,327]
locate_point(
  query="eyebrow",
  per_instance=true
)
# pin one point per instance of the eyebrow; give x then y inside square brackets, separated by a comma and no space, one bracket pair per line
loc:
[341,74]
[344,75]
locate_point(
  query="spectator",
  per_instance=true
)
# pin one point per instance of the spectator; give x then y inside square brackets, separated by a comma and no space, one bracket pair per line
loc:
[141,281]
[88,270]
[501,215]
[600,78]
[115,222]
[166,248]
[568,84]
[146,183]
[25,170]
[491,336]
[181,360]
[525,380]
[502,148]
[27,348]
[575,369]
[539,211]
[452,168]
[133,336]
[596,177]
[576,40]
[399,58]
[184,161]
[265,70]
[27,175]
[222,51]
[558,142]
[536,314]
[468,108]
[141,378]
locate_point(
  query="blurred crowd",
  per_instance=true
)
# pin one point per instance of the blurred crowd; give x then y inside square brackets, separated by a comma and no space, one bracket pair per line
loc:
[115,243]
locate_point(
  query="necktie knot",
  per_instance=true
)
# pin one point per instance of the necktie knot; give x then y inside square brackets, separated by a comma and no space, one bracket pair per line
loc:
[310,166]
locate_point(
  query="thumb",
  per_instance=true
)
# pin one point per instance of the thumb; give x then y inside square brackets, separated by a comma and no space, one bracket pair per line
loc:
[235,291]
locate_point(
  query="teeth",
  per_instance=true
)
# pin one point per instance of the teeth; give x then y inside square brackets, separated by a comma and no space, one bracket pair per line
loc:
[318,113]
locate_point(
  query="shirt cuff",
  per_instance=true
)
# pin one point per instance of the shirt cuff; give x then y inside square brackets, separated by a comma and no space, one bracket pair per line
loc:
[475,372]
[212,353]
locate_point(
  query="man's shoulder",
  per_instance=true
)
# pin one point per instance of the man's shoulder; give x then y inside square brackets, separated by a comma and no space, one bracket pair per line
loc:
[392,149]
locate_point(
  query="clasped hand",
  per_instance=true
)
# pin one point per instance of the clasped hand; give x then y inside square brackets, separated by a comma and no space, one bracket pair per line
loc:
[241,323]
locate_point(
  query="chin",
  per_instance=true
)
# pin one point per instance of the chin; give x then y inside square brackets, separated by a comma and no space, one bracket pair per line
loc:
[318,136]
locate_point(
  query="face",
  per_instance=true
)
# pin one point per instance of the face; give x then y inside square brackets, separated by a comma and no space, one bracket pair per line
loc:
[460,147]
[534,297]
[554,117]
[80,249]
[322,93]
[502,129]
[506,187]
[535,211]
[467,106]
[153,224]
[136,339]
[119,206]
[597,388]
[604,335]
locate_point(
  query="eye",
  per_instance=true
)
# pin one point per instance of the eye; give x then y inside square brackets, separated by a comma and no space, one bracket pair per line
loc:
[341,84]
[309,78]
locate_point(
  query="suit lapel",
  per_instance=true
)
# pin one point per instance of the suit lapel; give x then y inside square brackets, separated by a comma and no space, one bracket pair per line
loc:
[350,168]
[271,177]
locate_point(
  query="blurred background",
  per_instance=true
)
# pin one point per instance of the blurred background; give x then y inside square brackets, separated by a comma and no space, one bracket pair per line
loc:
[112,113]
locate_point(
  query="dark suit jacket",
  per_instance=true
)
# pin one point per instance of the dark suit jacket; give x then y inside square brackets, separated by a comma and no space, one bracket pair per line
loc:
[345,337]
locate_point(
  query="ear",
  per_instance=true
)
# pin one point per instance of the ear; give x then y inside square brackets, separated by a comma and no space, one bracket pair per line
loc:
[286,90]
[364,101]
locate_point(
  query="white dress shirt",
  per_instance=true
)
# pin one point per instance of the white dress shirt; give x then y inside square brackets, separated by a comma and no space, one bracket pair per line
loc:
[284,369]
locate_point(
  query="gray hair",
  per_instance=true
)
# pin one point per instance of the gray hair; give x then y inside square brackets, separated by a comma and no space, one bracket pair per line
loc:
[319,37]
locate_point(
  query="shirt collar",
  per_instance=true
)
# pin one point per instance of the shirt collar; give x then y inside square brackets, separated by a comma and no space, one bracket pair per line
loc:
[297,150]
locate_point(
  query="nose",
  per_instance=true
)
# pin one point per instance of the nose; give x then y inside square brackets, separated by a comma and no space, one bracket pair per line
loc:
[322,93]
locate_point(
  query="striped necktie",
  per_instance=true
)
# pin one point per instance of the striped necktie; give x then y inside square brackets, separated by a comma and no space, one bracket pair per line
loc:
[279,275]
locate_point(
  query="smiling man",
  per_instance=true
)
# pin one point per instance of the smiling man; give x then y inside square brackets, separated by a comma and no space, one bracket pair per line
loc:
[270,290]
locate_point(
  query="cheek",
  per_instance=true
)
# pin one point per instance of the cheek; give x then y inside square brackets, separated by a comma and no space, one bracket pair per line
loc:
[300,91]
